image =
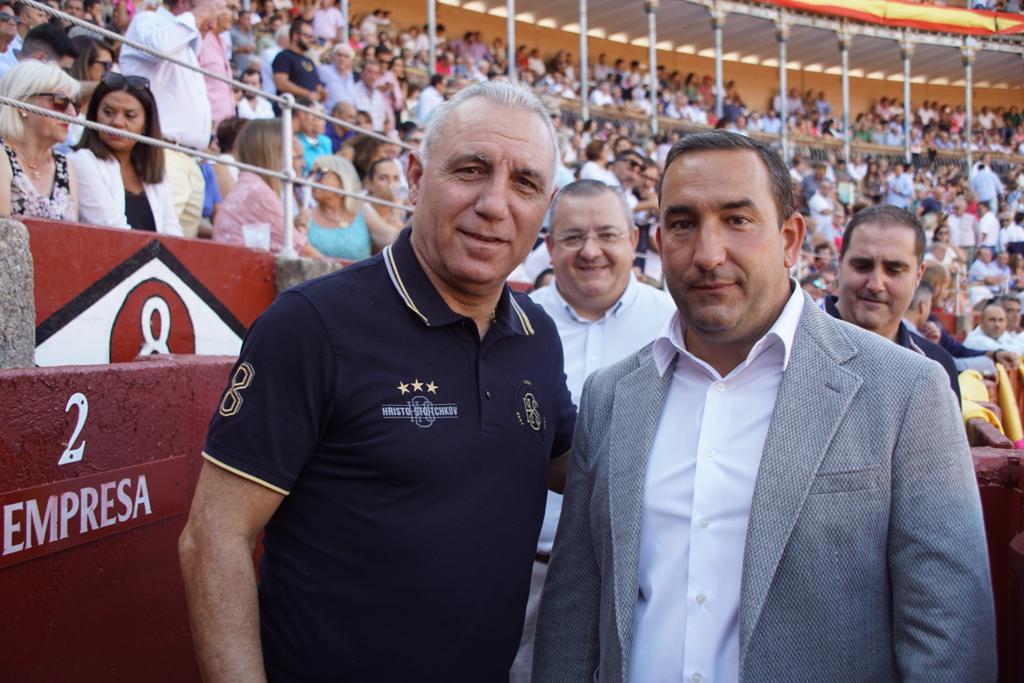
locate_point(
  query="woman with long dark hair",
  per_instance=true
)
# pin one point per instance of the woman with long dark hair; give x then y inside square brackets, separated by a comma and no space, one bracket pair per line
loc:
[122,183]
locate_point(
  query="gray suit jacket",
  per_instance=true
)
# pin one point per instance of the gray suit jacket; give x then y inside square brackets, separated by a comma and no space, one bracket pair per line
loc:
[865,556]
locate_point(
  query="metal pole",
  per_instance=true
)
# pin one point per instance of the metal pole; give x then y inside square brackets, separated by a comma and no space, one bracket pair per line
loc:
[717,20]
[584,63]
[288,195]
[782,35]
[510,31]
[432,36]
[844,57]
[968,53]
[343,7]
[907,52]
[651,7]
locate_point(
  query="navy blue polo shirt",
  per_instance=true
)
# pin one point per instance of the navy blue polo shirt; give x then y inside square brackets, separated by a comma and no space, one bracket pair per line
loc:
[413,457]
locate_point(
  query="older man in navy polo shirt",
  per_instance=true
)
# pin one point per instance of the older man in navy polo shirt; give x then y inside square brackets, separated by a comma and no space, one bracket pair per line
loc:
[391,426]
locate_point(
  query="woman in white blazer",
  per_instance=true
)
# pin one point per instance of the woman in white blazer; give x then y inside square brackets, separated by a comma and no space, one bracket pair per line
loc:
[121,183]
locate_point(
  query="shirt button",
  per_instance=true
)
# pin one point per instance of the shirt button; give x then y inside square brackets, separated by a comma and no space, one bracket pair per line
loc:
[696,678]
[709,452]
[700,598]
[703,523]
[720,386]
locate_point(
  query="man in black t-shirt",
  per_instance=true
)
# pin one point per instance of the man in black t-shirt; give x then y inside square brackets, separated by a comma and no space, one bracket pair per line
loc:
[294,72]
[392,426]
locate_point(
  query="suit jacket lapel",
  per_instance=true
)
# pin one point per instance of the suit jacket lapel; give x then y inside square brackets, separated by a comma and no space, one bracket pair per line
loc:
[639,397]
[813,398]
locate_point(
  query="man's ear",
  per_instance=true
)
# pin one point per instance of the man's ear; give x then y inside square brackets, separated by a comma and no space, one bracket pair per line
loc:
[414,174]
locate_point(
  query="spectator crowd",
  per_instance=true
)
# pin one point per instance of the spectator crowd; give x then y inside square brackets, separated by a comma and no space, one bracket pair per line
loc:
[374,77]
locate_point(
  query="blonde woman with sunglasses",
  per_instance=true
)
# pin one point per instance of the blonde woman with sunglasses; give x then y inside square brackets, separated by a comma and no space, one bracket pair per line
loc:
[35,180]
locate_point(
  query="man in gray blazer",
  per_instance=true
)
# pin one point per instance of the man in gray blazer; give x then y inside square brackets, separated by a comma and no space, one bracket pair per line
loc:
[763,493]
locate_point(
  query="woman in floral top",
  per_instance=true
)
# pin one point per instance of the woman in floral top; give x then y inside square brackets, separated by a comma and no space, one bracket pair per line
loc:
[34,180]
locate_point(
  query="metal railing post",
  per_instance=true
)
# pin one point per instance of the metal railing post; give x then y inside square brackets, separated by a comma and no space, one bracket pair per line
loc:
[651,7]
[288,186]
[782,35]
[584,63]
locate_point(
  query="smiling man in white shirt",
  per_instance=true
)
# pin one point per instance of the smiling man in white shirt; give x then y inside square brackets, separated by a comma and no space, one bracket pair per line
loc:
[602,313]
[764,493]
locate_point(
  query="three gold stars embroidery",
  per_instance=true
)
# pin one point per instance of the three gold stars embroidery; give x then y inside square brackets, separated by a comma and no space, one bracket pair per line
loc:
[416,385]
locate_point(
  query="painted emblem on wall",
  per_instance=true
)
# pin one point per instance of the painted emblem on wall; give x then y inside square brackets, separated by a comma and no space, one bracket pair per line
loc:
[148,304]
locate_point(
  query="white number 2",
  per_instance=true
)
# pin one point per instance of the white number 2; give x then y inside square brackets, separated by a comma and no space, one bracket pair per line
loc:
[72,454]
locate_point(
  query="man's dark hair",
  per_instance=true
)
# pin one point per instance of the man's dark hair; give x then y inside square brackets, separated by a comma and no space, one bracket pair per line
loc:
[1018,217]
[587,189]
[436,80]
[51,40]
[227,131]
[296,28]
[721,140]
[888,217]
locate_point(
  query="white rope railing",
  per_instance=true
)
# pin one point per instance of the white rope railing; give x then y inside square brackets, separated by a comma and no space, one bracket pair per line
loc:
[280,175]
[278,99]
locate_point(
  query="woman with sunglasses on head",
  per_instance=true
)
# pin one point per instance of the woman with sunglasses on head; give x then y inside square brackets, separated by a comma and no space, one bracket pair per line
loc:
[122,182]
[34,179]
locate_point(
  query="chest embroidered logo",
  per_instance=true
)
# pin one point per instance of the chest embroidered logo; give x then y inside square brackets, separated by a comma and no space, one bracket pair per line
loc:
[528,411]
[419,409]
[232,401]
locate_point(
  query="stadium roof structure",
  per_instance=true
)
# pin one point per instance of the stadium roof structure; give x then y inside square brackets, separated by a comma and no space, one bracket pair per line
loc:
[749,36]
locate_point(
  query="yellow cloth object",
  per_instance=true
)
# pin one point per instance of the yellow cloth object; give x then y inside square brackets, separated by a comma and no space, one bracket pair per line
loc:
[1008,404]
[972,388]
[972,410]
[187,187]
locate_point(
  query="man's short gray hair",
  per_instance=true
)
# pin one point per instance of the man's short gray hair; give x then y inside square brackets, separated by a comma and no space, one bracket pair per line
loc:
[502,93]
[590,188]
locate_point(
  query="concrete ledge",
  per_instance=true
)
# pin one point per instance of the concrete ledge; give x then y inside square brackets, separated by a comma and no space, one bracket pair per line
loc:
[293,271]
[17,305]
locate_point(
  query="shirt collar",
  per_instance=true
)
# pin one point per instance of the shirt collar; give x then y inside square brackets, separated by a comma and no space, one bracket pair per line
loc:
[671,341]
[629,295]
[419,295]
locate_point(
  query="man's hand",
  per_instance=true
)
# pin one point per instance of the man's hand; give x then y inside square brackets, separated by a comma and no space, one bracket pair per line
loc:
[932,332]
[1008,358]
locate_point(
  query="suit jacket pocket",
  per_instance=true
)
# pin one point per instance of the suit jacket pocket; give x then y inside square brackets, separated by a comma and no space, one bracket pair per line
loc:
[838,482]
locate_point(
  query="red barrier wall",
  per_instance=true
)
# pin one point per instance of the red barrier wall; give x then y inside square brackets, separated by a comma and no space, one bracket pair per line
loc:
[97,595]
[1001,484]
[102,294]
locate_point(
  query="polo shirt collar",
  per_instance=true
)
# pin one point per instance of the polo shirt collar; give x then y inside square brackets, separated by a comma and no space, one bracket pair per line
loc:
[419,295]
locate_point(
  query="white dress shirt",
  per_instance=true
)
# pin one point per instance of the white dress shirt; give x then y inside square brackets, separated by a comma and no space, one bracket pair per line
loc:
[373,103]
[180,94]
[340,88]
[1010,234]
[430,99]
[979,341]
[701,471]
[588,345]
[988,226]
